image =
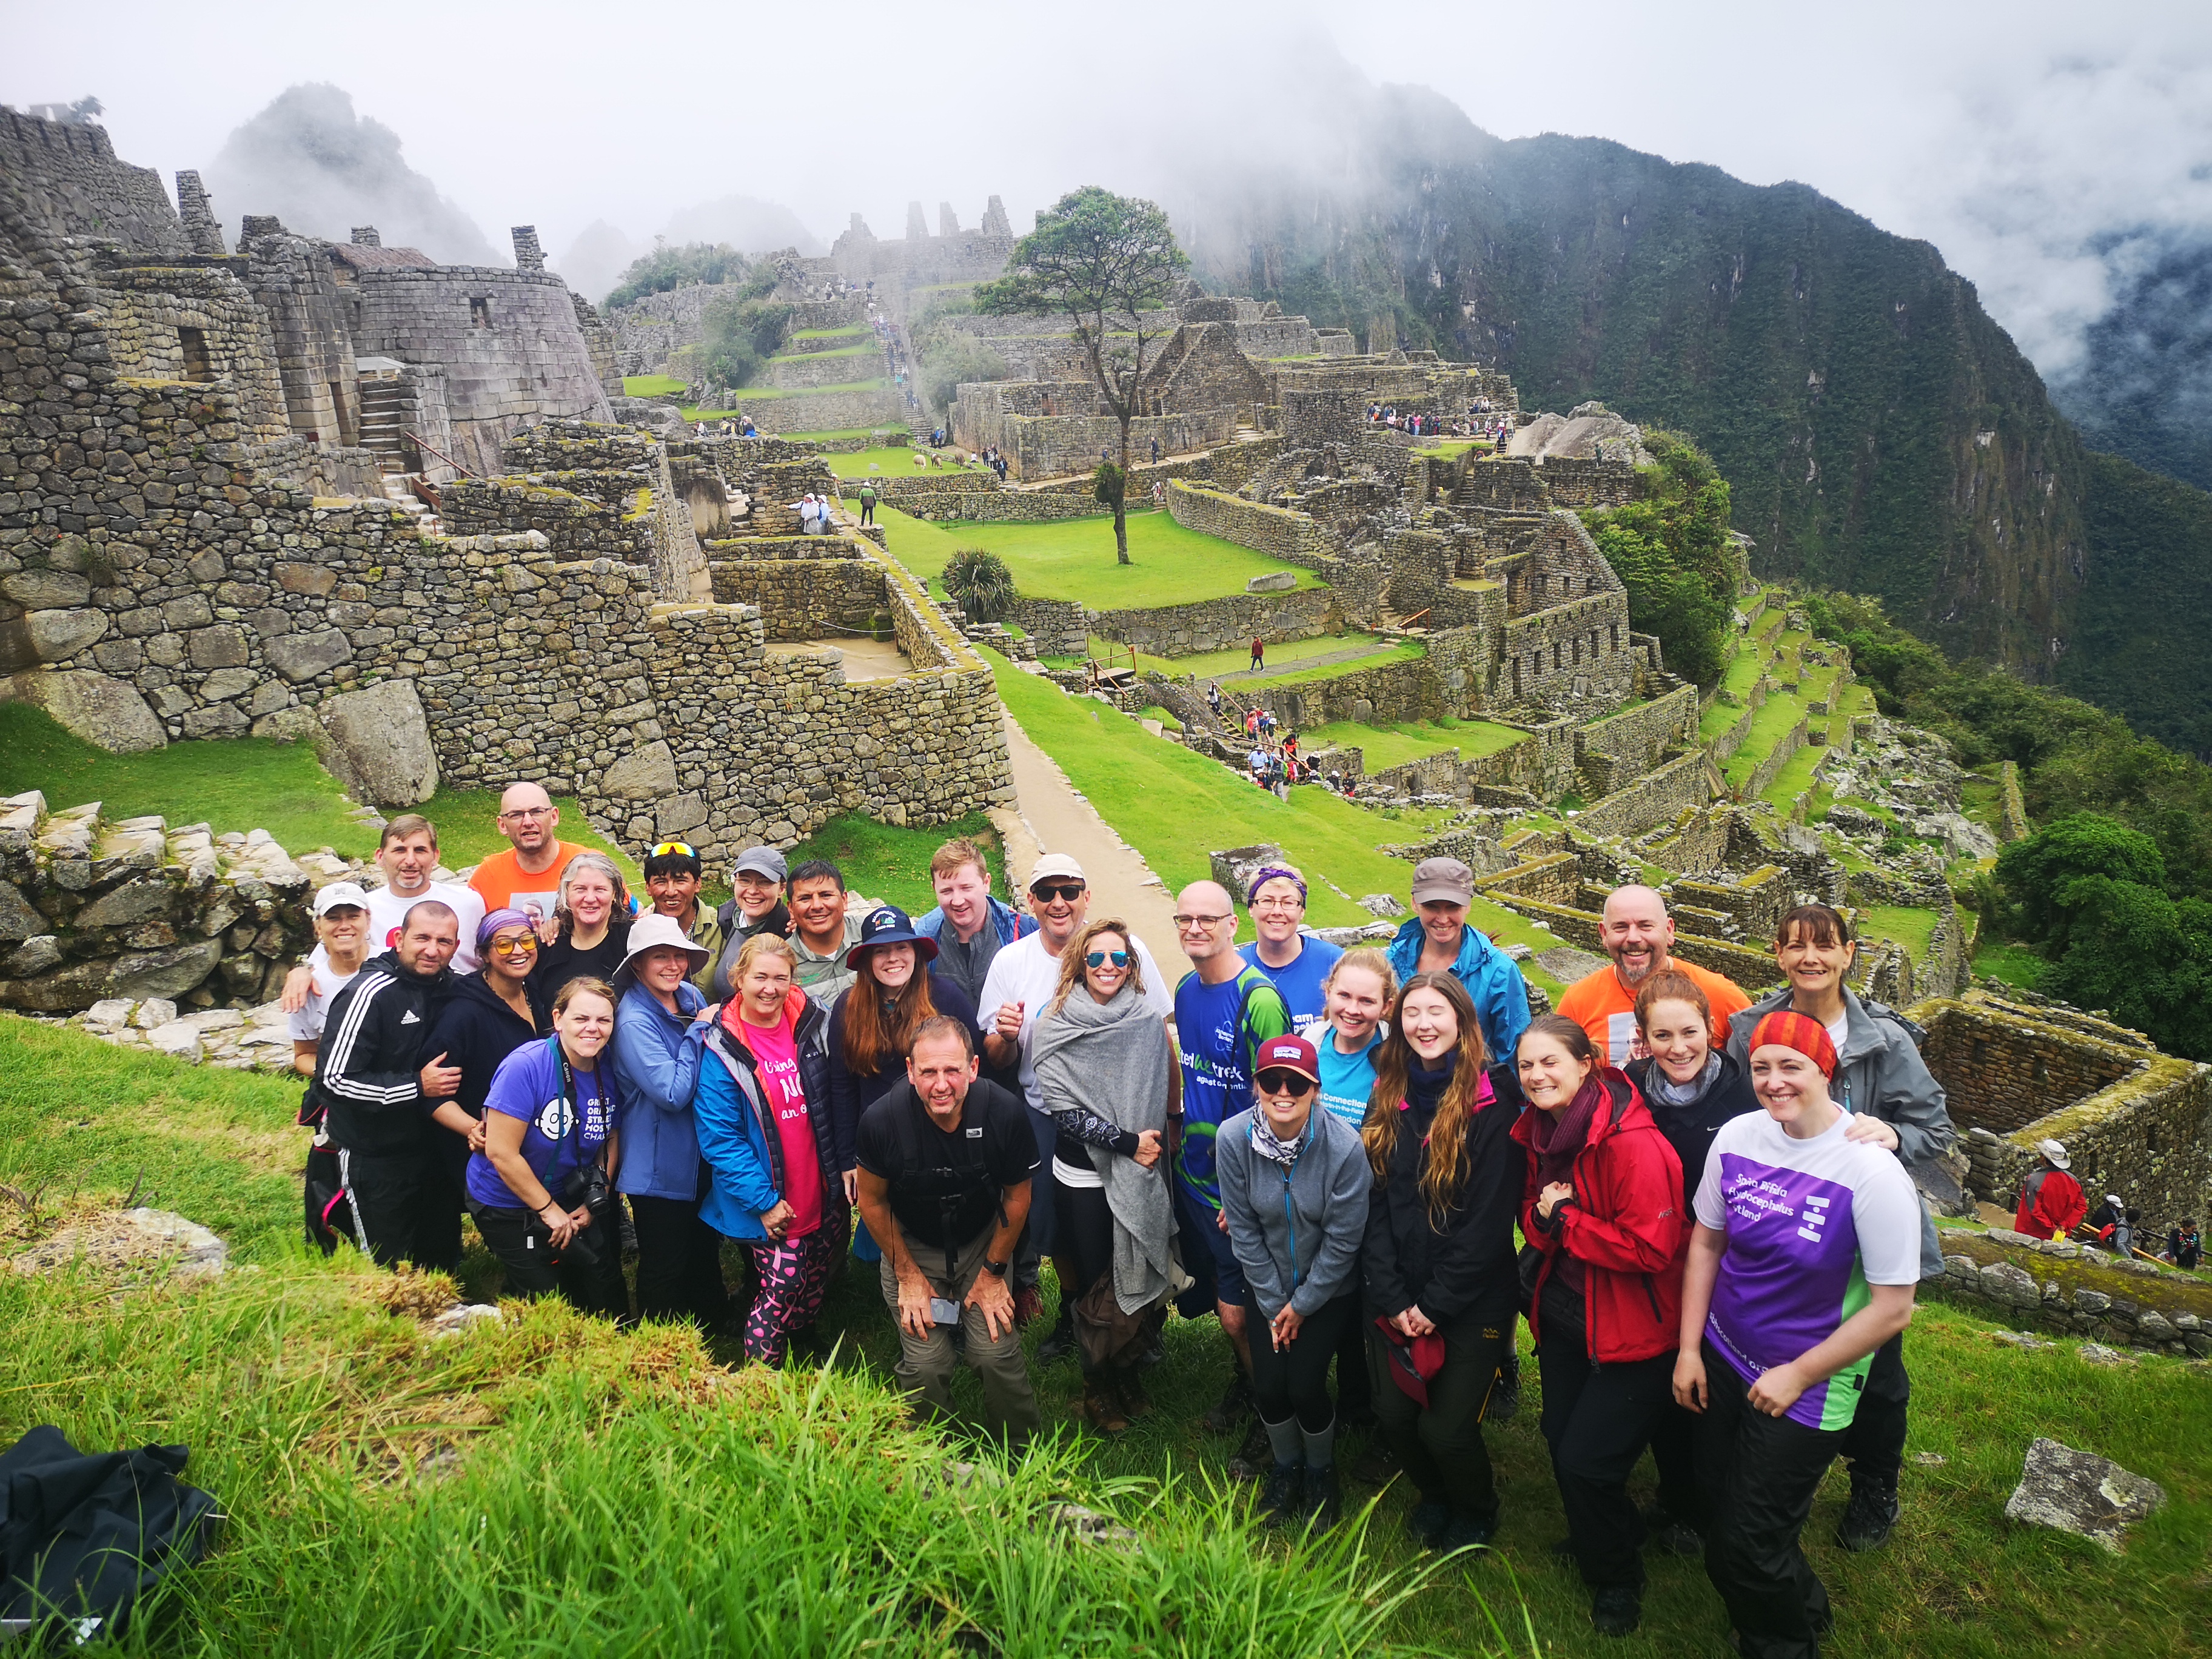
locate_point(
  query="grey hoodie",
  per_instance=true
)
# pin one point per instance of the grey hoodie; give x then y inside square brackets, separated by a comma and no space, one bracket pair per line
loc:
[1307,1230]
[1879,1072]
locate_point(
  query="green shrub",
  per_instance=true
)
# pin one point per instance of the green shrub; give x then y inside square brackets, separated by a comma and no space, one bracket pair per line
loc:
[980,584]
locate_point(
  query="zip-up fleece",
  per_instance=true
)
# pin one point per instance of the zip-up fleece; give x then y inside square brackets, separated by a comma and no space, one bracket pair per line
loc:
[1296,1231]
[1625,1224]
[737,1129]
[369,1075]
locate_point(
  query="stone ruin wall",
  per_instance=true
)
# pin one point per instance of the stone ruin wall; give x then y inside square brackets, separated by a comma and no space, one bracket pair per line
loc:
[810,598]
[147,308]
[70,179]
[1621,748]
[1293,538]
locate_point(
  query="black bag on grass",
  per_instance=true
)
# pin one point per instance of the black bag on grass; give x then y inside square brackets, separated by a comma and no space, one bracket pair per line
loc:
[82,1536]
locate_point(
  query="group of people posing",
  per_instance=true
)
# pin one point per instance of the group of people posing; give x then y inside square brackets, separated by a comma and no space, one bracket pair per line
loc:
[1365,1165]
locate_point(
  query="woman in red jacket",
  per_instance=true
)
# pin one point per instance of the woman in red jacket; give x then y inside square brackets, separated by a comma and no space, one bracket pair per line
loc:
[2051,1205]
[1601,1205]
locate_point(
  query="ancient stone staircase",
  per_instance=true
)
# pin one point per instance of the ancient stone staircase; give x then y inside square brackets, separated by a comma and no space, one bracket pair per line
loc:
[384,423]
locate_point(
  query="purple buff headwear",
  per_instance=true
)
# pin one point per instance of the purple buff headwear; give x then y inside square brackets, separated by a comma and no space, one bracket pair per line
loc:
[496,920]
[1269,873]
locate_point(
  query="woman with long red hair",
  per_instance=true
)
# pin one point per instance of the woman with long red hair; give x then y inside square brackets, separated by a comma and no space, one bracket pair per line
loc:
[1437,1260]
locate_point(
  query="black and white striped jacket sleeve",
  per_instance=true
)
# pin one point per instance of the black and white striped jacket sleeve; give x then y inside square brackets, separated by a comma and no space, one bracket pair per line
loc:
[369,1059]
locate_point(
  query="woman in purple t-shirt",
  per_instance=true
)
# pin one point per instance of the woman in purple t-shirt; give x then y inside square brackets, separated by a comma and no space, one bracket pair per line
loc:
[1803,1262]
[538,1190]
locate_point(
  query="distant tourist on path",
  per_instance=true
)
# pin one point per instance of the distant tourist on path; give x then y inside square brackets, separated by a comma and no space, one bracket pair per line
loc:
[1638,934]
[1295,1185]
[868,503]
[762,1115]
[528,876]
[2051,1202]
[662,1022]
[1259,654]
[2185,1245]
[946,1166]
[377,1088]
[1296,963]
[1883,1084]
[1106,1066]
[539,1188]
[1778,1335]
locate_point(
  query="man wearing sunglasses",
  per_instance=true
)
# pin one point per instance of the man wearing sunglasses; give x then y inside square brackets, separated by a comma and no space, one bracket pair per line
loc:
[1024,977]
[1224,1010]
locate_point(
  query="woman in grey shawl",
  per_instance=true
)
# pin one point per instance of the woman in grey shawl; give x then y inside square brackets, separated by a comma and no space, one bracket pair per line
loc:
[1107,1068]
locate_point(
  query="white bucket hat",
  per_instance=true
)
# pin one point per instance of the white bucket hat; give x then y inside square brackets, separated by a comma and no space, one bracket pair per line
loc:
[2052,1150]
[652,931]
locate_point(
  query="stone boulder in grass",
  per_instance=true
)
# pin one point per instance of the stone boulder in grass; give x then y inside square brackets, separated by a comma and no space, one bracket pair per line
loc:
[2080,1493]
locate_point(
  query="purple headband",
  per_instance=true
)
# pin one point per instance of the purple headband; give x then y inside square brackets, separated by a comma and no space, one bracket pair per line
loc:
[498,919]
[1261,877]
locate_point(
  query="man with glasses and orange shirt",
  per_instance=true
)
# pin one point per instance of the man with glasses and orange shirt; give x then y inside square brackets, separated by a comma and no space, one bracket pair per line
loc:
[527,878]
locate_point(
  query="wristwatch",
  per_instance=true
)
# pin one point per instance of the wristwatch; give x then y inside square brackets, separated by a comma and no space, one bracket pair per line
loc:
[996,1269]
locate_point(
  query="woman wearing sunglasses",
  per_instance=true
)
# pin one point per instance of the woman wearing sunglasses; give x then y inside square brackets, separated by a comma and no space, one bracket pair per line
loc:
[486,1017]
[1107,1068]
[1294,1186]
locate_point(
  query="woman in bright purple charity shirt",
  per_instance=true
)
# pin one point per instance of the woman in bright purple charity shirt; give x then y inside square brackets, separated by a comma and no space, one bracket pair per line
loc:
[1803,1262]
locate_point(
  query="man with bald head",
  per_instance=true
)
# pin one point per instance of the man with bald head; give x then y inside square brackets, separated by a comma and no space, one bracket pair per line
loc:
[1638,934]
[1224,1010]
[527,878]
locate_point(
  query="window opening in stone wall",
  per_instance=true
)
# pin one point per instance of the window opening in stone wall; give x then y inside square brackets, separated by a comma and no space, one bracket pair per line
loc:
[1981,1051]
[198,365]
[480,311]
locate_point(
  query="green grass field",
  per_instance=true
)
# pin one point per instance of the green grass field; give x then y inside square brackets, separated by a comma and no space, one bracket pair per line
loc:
[1796,776]
[1074,559]
[653,385]
[1383,747]
[897,461]
[1769,727]
[1402,651]
[763,394]
[1912,928]
[857,348]
[1210,664]
[844,432]
[892,864]
[854,330]
[2015,965]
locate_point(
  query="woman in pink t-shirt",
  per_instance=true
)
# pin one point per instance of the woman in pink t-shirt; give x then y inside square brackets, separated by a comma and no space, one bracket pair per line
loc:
[763,1121]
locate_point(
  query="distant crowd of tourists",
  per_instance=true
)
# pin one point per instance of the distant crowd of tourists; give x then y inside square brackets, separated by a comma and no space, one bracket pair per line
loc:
[1365,1165]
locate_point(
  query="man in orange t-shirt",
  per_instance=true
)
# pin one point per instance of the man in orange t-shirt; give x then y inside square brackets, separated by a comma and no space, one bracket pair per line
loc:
[527,878]
[1638,934]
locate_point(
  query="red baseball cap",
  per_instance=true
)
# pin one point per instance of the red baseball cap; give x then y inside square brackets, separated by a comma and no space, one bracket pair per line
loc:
[1289,1054]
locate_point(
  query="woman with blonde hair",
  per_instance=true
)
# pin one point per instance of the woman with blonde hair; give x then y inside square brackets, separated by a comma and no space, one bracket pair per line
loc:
[762,1115]
[1108,1070]
[1437,1260]
[590,926]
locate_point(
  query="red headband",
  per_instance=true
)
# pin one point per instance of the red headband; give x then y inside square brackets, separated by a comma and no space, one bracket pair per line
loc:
[1787,1029]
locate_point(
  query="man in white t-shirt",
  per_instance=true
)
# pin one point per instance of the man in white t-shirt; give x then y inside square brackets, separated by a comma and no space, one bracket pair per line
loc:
[1024,976]
[407,854]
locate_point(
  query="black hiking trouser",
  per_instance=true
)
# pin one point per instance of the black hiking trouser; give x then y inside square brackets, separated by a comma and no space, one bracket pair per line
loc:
[1295,1383]
[592,1287]
[1440,1445]
[323,1191]
[679,1263]
[382,1211]
[1761,1474]
[1874,1445]
[1597,1420]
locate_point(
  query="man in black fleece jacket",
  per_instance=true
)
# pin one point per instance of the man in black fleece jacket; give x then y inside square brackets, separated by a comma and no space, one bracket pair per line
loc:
[380,1092]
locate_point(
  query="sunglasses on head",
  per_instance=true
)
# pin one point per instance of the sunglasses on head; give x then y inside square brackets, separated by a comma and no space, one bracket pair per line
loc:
[1067,892]
[1100,958]
[667,846]
[1275,1081]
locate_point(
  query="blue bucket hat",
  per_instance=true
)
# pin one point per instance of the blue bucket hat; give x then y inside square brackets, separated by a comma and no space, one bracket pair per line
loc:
[888,925]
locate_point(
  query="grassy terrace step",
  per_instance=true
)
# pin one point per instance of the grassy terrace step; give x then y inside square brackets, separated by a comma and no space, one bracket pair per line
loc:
[653,385]
[1383,746]
[1229,666]
[1073,559]
[897,461]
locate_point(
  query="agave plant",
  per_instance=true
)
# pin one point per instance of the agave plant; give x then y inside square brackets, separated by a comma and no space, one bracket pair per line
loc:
[980,584]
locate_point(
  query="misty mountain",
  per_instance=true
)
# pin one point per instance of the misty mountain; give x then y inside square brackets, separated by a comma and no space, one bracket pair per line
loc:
[1881,432]
[2144,388]
[595,261]
[322,169]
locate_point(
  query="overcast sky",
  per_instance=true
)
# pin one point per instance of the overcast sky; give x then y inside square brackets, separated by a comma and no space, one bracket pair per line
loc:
[2031,142]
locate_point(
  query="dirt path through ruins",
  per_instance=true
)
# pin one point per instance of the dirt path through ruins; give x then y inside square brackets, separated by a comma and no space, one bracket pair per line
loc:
[1064,822]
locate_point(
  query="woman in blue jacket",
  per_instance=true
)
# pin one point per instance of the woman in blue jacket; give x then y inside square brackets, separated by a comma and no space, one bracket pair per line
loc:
[661,1023]
[763,1118]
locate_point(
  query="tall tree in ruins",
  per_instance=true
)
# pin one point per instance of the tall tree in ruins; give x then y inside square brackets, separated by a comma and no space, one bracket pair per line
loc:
[1109,264]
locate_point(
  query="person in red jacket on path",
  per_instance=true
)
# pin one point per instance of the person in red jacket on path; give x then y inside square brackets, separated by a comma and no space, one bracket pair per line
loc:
[2051,1202]
[1601,1202]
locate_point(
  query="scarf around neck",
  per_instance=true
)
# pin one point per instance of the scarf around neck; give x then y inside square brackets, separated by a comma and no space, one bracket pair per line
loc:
[1556,1140]
[1284,1152]
[1658,1086]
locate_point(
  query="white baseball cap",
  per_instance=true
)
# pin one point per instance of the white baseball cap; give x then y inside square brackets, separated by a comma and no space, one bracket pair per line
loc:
[340,893]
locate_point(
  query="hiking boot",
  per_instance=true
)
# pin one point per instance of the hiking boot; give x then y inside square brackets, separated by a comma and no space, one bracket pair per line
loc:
[1134,1399]
[1102,1409]
[1059,1342]
[1505,1396]
[1235,1405]
[1254,1456]
[1429,1523]
[1467,1532]
[1675,1537]
[1319,1506]
[1617,1611]
[1869,1517]
[1279,1498]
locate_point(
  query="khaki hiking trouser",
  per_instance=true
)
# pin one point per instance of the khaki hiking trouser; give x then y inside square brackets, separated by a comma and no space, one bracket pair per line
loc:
[925,1365]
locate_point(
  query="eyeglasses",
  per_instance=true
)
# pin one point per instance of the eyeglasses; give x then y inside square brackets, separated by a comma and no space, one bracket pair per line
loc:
[1291,903]
[1100,958]
[506,945]
[1196,924]
[1285,1083]
[1066,892]
[527,812]
[667,846]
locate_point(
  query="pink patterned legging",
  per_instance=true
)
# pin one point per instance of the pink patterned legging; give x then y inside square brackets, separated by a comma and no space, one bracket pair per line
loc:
[792,1278]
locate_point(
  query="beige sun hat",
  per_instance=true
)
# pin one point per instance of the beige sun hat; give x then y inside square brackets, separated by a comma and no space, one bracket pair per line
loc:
[652,932]
[2054,1153]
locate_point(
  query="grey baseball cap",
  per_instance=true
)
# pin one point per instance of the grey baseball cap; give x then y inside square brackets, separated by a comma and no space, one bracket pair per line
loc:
[765,861]
[1442,879]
